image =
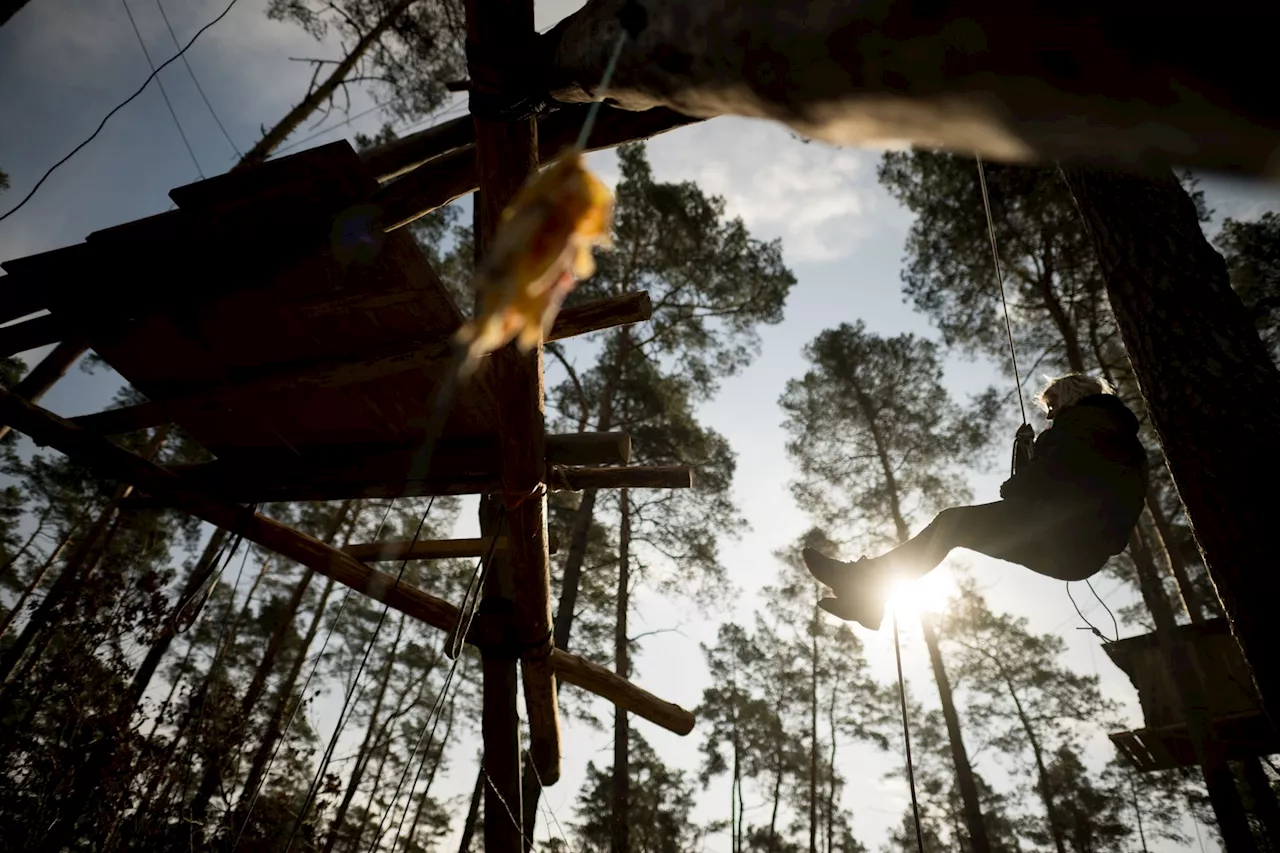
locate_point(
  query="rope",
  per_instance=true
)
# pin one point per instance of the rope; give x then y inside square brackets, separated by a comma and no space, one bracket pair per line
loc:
[355,682]
[306,684]
[906,737]
[1115,626]
[115,110]
[465,618]
[594,110]
[141,43]
[192,74]
[546,805]
[995,257]
[1091,627]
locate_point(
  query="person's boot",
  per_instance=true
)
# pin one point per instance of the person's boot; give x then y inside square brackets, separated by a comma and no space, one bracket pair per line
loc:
[861,588]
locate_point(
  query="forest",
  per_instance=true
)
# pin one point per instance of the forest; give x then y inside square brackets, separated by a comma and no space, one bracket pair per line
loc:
[165,685]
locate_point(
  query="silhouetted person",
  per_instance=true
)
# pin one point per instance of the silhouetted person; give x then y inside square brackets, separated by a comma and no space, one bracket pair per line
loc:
[1064,512]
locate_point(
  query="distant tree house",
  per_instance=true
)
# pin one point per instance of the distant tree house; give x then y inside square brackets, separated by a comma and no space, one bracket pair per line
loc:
[1241,728]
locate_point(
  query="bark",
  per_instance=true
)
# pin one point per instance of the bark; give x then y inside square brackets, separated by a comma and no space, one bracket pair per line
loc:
[326,90]
[620,835]
[972,806]
[365,752]
[962,76]
[1191,600]
[813,735]
[1211,389]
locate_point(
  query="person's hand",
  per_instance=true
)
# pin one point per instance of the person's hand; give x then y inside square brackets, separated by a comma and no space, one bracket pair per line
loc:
[1026,432]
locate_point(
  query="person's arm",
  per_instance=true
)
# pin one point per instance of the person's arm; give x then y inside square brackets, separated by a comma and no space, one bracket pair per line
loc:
[1028,477]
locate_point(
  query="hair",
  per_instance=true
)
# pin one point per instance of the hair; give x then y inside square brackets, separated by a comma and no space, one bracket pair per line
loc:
[1066,391]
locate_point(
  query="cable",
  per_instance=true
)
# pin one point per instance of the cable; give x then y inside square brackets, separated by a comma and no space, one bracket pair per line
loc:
[115,110]
[199,88]
[1091,627]
[1114,624]
[906,736]
[995,256]
[163,93]
[355,682]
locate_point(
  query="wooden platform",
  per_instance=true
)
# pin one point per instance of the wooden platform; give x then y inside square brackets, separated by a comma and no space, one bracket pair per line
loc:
[1240,726]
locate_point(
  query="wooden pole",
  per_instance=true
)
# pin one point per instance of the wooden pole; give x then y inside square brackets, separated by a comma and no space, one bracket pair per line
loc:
[500,719]
[599,680]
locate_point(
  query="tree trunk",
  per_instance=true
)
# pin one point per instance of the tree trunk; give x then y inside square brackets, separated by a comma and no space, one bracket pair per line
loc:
[1224,796]
[974,823]
[620,835]
[37,578]
[12,561]
[473,811]
[1211,389]
[365,751]
[211,780]
[1264,800]
[431,777]
[813,734]
[1042,773]
[313,101]
[831,770]
[79,564]
[1177,566]
[965,77]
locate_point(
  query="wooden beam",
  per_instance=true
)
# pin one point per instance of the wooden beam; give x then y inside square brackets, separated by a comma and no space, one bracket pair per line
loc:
[361,367]
[31,334]
[601,314]
[1128,82]
[609,685]
[429,549]
[399,156]
[564,479]
[453,175]
[499,35]
[50,369]
[18,298]
[48,430]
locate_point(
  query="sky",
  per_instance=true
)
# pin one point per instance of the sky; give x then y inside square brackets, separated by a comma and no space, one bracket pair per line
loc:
[65,63]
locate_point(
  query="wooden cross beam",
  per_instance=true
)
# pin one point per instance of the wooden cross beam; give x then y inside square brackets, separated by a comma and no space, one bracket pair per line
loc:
[109,460]
[431,549]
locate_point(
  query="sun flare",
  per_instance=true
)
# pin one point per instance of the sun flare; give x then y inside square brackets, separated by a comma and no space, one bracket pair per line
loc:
[909,600]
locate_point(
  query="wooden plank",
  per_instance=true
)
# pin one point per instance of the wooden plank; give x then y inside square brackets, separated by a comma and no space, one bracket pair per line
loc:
[428,549]
[601,314]
[564,479]
[609,685]
[453,175]
[393,159]
[50,369]
[30,334]
[109,460]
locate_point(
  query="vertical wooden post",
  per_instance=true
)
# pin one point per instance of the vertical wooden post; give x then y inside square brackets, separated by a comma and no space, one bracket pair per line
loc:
[500,720]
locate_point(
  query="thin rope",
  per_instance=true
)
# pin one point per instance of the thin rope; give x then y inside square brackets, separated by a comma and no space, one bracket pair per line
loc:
[355,682]
[199,88]
[115,110]
[1115,626]
[433,717]
[594,110]
[186,142]
[906,736]
[547,806]
[995,257]
[1091,627]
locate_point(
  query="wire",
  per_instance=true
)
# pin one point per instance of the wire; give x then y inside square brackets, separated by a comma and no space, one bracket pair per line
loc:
[355,682]
[995,257]
[906,736]
[547,805]
[163,93]
[1091,627]
[594,110]
[199,88]
[115,110]
[1114,624]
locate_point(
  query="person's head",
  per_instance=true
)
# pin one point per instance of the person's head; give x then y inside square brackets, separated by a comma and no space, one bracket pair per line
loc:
[1065,391]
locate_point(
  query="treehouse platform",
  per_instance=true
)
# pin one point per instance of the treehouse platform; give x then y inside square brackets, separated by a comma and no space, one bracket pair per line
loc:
[1240,726]
[282,317]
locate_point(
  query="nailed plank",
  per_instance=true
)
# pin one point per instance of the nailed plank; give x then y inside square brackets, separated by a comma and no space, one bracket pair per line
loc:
[601,314]
[609,685]
[567,479]
[48,430]
[393,159]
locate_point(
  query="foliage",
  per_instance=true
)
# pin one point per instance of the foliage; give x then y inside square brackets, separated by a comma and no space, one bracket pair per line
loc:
[1252,251]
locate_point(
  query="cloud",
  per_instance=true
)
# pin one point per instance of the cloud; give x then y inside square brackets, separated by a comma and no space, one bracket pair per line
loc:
[820,199]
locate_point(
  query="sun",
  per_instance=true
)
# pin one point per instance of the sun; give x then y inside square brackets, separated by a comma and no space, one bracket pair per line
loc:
[909,600]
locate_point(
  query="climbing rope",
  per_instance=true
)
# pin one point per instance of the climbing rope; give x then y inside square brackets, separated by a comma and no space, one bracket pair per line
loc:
[1004,303]
[906,737]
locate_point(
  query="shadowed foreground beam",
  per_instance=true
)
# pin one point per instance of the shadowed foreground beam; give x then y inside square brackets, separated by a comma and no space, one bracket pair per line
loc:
[429,549]
[106,459]
[1121,80]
